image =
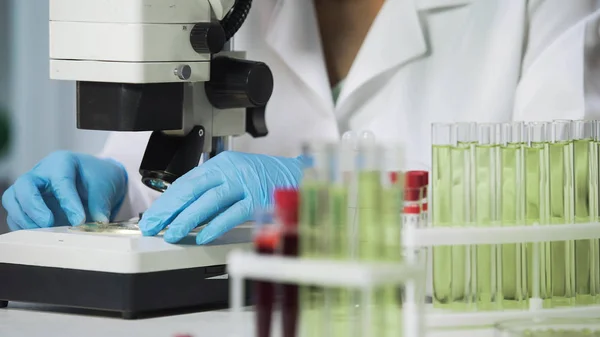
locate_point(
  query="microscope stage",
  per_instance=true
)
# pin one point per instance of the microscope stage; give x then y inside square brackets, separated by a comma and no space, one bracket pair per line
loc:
[117,270]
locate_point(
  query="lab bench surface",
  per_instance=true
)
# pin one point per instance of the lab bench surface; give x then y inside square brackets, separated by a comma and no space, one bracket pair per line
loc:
[26,320]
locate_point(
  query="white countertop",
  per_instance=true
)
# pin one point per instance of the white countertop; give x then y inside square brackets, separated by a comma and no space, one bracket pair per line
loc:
[25,320]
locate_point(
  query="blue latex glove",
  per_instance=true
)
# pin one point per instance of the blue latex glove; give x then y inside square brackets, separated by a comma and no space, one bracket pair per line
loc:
[227,189]
[66,188]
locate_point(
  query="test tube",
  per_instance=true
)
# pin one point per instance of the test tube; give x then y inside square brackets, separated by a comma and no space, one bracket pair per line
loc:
[560,157]
[585,210]
[487,204]
[443,141]
[513,270]
[391,201]
[370,230]
[286,212]
[312,221]
[266,241]
[348,179]
[391,226]
[452,190]
[347,184]
[369,198]
[537,211]
[597,162]
[338,301]
[463,165]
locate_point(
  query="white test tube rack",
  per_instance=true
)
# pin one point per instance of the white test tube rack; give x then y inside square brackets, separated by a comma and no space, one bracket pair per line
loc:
[363,277]
[444,236]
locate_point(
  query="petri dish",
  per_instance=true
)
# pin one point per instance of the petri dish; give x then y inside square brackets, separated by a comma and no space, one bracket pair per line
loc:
[129,227]
[549,327]
[121,227]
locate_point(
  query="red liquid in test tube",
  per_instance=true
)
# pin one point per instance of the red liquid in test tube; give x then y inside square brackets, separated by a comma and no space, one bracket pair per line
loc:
[394,177]
[286,212]
[266,241]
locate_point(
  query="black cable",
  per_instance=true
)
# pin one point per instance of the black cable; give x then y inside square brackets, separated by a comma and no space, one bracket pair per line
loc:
[235,18]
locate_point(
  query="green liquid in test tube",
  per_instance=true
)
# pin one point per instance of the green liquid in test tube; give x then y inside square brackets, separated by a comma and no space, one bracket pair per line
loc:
[312,221]
[451,192]
[391,223]
[596,192]
[463,163]
[443,141]
[562,257]
[369,231]
[537,196]
[392,202]
[597,147]
[340,305]
[487,207]
[595,214]
[369,192]
[585,168]
[513,266]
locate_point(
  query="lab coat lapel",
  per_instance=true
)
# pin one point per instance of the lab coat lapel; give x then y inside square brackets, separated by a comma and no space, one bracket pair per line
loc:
[396,38]
[294,36]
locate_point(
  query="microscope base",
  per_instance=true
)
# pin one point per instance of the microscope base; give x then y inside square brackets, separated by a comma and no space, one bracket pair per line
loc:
[132,275]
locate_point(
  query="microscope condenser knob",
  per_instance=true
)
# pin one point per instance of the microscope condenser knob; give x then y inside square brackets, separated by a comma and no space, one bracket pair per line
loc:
[236,83]
[207,38]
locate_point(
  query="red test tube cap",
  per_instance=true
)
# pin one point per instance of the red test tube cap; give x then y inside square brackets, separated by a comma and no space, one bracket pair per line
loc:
[286,205]
[414,179]
[425,177]
[413,186]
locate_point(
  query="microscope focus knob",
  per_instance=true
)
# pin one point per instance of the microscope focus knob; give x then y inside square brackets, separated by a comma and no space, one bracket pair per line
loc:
[236,83]
[208,38]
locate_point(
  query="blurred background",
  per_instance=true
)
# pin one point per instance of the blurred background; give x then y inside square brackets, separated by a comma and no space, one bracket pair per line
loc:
[37,116]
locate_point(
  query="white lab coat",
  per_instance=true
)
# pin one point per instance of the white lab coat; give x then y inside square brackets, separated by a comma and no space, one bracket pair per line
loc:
[423,61]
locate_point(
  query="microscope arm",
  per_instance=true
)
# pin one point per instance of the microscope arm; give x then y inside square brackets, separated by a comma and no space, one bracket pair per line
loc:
[221,7]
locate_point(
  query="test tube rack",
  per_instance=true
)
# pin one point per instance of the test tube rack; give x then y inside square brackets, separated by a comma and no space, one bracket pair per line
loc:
[364,277]
[429,237]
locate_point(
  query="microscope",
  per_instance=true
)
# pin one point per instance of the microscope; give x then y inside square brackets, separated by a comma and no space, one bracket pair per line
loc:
[164,66]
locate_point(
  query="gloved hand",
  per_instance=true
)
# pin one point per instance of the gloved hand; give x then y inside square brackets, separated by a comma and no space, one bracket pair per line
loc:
[66,188]
[227,189]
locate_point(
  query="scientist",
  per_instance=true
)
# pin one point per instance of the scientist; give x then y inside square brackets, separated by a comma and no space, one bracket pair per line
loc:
[392,67]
